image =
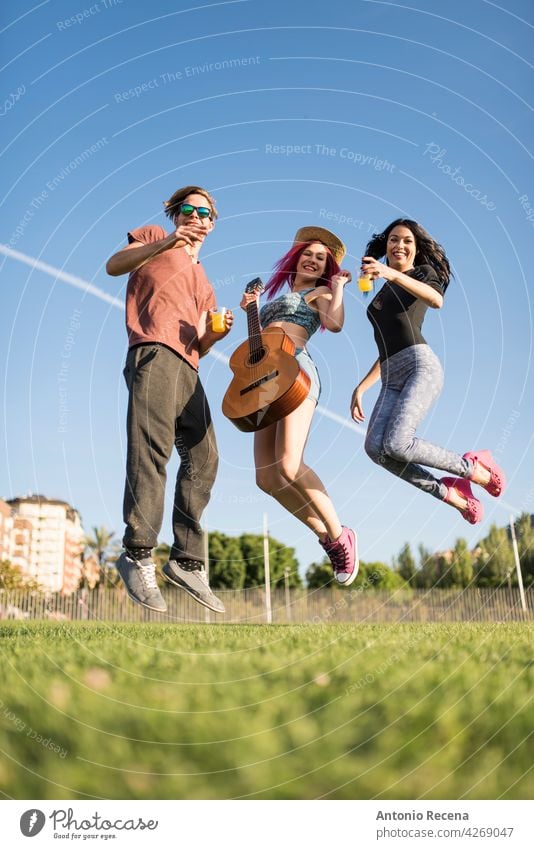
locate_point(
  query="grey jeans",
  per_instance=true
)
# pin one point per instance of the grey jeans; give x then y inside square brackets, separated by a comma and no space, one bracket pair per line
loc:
[167,409]
[411,381]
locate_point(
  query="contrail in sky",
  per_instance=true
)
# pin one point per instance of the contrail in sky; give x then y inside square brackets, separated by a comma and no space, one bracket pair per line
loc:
[58,274]
[90,289]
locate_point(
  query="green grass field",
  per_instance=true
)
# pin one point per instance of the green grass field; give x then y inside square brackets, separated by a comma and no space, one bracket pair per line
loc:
[292,712]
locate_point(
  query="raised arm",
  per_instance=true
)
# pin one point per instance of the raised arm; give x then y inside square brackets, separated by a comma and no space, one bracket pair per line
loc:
[249,298]
[136,254]
[329,302]
[418,288]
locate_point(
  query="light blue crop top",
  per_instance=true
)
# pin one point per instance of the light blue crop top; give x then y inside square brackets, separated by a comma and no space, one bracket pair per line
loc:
[292,308]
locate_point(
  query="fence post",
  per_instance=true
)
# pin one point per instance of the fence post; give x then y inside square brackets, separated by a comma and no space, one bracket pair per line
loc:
[267,570]
[287,594]
[206,563]
[518,565]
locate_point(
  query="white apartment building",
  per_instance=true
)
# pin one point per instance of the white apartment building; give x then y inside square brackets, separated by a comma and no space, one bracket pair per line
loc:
[47,541]
[6,531]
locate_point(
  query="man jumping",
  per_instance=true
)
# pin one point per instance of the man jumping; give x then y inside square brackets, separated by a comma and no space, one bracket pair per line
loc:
[169,300]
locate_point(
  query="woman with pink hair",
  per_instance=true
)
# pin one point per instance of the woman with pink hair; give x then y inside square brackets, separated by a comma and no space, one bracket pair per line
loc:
[314,300]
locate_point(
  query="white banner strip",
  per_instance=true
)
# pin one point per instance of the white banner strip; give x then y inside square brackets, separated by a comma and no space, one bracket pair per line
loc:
[264,824]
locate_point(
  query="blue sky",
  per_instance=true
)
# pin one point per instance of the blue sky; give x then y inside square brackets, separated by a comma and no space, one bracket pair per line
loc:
[341,114]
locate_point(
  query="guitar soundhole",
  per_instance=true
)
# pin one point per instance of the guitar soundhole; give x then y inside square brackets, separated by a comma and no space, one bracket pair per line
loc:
[260,382]
[256,357]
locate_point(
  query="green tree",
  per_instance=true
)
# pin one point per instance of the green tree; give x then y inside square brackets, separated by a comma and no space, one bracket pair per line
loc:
[406,566]
[252,552]
[281,557]
[524,532]
[13,578]
[377,576]
[426,573]
[99,545]
[109,574]
[462,564]
[227,566]
[443,570]
[371,576]
[495,559]
[319,575]
[161,554]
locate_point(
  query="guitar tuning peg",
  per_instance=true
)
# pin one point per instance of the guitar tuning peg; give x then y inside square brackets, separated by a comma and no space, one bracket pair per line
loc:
[255,285]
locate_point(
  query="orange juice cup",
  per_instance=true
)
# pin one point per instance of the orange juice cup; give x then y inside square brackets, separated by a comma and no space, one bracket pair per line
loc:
[365,284]
[218,320]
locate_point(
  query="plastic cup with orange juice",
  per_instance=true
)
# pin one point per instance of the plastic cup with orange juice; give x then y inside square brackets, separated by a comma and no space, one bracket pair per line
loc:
[218,320]
[365,283]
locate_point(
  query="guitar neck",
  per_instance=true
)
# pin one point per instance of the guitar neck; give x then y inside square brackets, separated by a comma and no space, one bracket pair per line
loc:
[254,329]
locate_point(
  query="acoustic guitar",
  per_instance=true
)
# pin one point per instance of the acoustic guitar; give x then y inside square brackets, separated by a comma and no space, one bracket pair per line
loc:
[268,382]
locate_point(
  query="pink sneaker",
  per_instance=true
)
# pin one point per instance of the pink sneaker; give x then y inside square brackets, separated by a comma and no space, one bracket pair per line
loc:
[343,555]
[474,511]
[497,481]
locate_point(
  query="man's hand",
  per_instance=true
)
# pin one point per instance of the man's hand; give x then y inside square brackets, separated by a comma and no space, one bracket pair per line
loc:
[210,336]
[228,321]
[136,254]
[190,232]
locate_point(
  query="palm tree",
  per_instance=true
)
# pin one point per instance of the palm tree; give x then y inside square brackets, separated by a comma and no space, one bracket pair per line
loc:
[98,544]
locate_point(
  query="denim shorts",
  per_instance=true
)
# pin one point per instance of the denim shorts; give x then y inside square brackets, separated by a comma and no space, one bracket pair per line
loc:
[306,363]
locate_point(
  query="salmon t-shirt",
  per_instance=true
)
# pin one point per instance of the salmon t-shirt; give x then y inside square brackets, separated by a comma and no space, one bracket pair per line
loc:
[166,297]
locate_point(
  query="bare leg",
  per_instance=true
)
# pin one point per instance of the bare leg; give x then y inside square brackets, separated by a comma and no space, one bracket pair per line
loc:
[270,480]
[291,436]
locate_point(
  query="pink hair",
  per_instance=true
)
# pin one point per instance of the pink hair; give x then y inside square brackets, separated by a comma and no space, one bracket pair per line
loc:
[286,268]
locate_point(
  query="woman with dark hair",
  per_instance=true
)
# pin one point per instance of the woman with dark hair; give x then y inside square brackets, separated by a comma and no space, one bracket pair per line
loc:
[417,274]
[315,300]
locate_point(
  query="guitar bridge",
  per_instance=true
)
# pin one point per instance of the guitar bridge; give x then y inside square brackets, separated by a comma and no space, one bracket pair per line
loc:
[259,382]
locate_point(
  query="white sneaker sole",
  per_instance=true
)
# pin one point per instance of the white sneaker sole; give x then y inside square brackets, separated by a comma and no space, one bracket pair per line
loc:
[182,586]
[356,567]
[351,579]
[143,603]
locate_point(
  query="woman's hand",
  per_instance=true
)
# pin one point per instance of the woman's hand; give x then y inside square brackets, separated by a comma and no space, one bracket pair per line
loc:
[419,289]
[249,298]
[356,408]
[372,268]
[341,279]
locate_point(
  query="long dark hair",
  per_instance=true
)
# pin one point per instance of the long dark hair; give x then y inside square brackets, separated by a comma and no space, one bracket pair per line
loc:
[286,268]
[427,251]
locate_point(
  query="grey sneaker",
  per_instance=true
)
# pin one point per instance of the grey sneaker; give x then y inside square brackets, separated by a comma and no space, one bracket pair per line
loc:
[139,578]
[189,576]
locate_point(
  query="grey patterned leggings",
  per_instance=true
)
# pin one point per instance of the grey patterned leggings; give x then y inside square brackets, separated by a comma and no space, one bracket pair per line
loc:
[411,381]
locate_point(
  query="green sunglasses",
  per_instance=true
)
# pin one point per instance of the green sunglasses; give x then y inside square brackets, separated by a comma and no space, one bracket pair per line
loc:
[202,211]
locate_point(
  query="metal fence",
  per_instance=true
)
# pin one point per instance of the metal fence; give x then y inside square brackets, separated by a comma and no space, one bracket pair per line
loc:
[295,606]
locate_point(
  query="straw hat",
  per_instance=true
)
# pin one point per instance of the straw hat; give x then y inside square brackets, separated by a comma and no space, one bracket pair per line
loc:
[321,234]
